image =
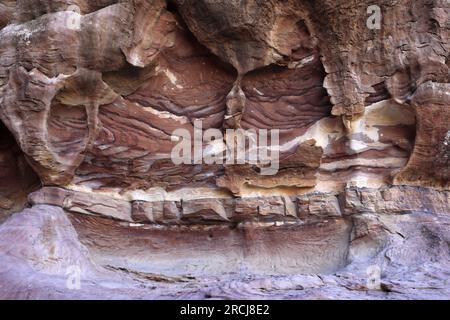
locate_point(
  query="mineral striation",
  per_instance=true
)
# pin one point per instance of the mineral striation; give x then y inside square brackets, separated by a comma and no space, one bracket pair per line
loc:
[93,206]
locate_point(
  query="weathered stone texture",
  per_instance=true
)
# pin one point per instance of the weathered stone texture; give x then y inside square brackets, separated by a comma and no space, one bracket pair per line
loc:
[92,91]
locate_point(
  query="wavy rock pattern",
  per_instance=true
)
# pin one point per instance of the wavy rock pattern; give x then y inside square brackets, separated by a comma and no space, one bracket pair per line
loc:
[92,91]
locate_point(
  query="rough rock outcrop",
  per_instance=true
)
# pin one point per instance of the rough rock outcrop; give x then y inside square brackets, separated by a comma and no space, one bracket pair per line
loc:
[92,93]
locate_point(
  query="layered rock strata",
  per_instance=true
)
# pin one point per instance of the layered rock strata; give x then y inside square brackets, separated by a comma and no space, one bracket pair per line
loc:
[91,93]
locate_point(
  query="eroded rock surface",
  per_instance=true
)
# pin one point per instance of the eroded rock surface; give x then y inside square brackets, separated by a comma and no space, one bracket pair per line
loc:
[91,93]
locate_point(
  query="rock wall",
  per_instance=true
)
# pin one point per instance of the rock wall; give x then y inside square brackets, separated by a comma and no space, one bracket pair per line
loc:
[91,93]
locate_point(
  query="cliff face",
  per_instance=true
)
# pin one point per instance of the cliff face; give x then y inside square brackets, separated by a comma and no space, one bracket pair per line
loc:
[358,92]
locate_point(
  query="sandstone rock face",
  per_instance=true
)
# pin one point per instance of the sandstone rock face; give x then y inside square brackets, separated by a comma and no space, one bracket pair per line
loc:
[92,94]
